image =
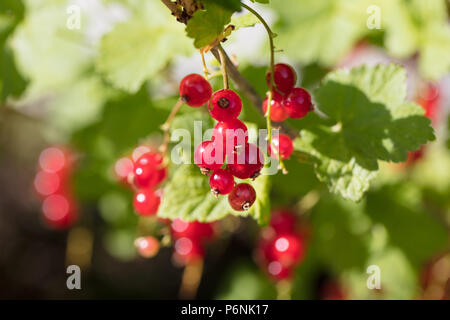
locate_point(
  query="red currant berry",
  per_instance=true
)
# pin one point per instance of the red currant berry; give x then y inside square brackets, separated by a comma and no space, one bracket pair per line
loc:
[225,105]
[123,167]
[247,162]
[53,159]
[195,90]
[284,78]
[297,103]
[188,251]
[277,271]
[148,246]
[47,183]
[221,182]
[208,156]
[193,230]
[242,197]
[230,134]
[148,171]
[277,112]
[286,248]
[283,221]
[283,146]
[59,211]
[146,202]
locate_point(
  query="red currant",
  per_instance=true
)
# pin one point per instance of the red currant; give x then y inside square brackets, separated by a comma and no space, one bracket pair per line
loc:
[283,146]
[286,248]
[277,111]
[195,90]
[123,167]
[283,221]
[230,134]
[208,156]
[284,78]
[188,250]
[53,159]
[242,197]
[221,182]
[225,105]
[47,183]
[277,271]
[246,162]
[193,230]
[298,103]
[148,246]
[59,211]
[148,171]
[146,202]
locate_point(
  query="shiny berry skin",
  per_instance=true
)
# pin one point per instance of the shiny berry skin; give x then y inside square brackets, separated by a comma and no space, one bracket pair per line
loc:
[123,167]
[148,171]
[148,246]
[195,90]
[297,103]
[208,156]
[59,211]
[53,159]
[286,248]
[283,146]
[284,78]
[47,183]
[283,221]
[277,111]
[242,197]
[225,105]
[221,182]
[188,250]
[247,162]
[193,230]
[278,272]
[146,202]
[230,134]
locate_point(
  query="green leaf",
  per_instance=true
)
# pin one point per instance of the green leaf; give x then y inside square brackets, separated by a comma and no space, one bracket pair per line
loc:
[261,1]
[244,21]
[135,51]
[188,196]
[207,25]
[233,5]
[371,122]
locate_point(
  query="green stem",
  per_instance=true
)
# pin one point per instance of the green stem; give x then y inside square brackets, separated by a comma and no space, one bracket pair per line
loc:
[223,66]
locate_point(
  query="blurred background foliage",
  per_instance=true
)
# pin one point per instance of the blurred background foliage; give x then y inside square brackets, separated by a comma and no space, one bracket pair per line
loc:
[105,88]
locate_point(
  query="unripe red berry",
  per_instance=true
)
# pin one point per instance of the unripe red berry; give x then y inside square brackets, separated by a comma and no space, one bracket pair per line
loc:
[146,202]
[195,90]
[242,197]
[297,103]
[284,78]
[277,111]
[221,182]
[209,156]
[225,105]
[283,146]
[246,162]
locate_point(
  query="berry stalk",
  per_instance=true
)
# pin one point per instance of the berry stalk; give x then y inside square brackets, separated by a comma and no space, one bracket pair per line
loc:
[223,66]
[166,126]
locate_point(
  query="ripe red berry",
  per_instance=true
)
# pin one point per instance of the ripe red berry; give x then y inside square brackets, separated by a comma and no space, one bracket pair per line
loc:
[208,156]
[188,250]
[277,111]
[195,90]
[53,159]
[193,230]
[286,248]
[148,171]
[225,105]
[59,211]
[277,271]
[298,103]
[284,78]
[148,246]
[283,146]
[123,167]
[146,202]
[247,162]
[227,135]
[221,182]
[242,197]
[283,221]
[47,183]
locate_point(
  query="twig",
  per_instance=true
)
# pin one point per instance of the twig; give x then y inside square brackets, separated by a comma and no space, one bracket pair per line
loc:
[166,126]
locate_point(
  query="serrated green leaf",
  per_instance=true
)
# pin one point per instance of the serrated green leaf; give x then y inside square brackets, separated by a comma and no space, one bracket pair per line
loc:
[188,196]
[371,122]
[207,25]
[244,21]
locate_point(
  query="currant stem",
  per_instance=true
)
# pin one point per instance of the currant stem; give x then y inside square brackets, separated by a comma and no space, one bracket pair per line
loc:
[271,82]
[205,68]
[284,290]
[166,126]
[223,65]
[192,275]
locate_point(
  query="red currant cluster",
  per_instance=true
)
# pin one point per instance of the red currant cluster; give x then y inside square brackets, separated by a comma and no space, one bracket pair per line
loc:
[144,170]
[281,246]
[189,240]
[228,154]
[52,183]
